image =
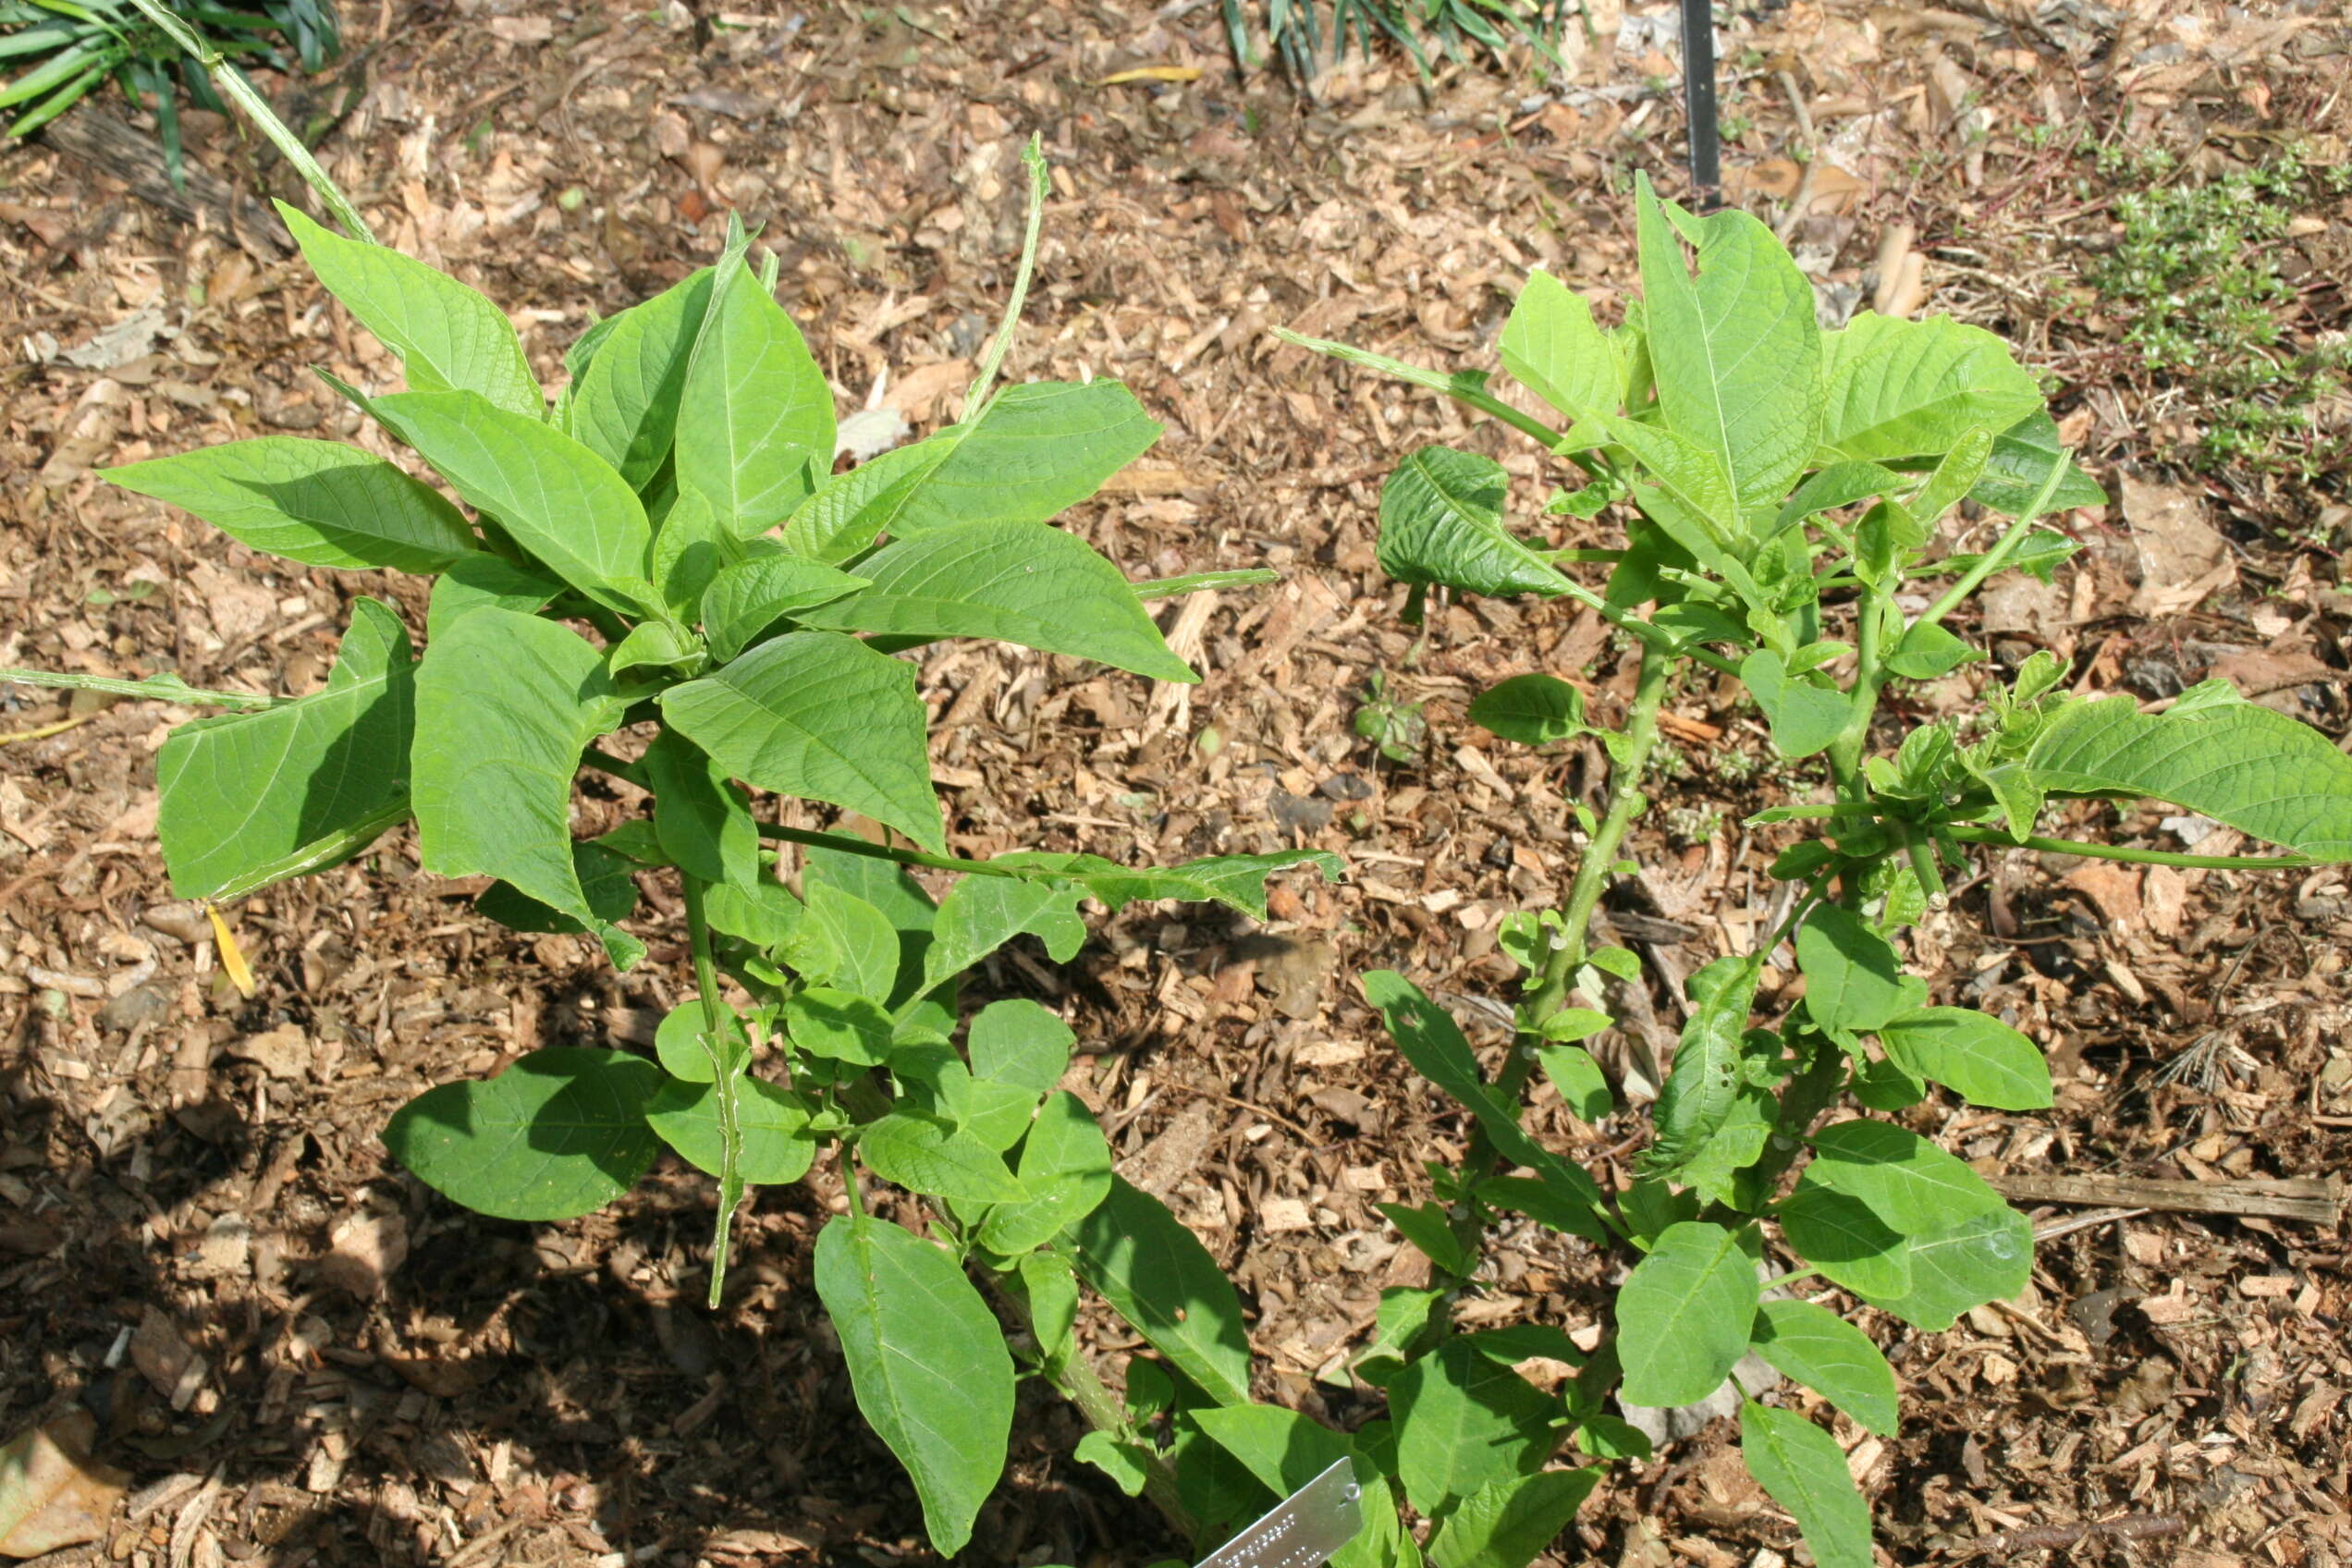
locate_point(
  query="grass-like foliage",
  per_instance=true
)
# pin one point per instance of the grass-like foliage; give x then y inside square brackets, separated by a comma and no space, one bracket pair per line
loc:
[1302,33]
[62,50]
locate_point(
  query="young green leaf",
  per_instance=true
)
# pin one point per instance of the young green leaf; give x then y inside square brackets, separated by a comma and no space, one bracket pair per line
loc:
[1853,979]
[1831,1356]
[557,499]
[926,1154]
[652,645]
[2258,771]
[691,547]
[1236,881]
[1693,475]
[1426,1226]
[849,511]
[1736,350]
[926,1361]
[505,704]
[1463,1420]
[821,716]
[1552,348]
[771,1121]
[981,913]
[1155,1274]
[1508,1524]
[1979,1058]
[1929,652]
[247,799]
[1442,524]
[1399,1323]
[679,1042]
[1065,1172]
[448,337]
[838,1025]
[1840,484]
[1906,1181]
[1026,583]
[1804,717]
[1683,1315]
[559,1134]
[1895,388]
[864,952]
[1802,1468]
[1017,1042]
[1986,1257]
[624,405]
[317,502]
[745,599]
[754,424]
[1534,710]
[1584,1088]
[1703,1086]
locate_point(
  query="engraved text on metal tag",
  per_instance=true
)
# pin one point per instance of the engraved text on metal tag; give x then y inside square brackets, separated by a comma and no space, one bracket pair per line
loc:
[1305,1529]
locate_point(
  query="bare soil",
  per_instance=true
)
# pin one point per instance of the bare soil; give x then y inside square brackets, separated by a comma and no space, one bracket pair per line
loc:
[301,1355]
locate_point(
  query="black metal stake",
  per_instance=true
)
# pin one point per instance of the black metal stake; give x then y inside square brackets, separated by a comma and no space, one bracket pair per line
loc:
[1698,103]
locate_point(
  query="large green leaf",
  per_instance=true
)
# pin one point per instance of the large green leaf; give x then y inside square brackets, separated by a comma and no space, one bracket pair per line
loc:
[485,581]
[1464,1420]
[1035,450]
[317,502]
[1442,524]
[559,1134]
[1508,1524]
[2261,772]
[1831,1356]
[1804,717]
[862,950]
[1017,1042]
[1895,388]
[1986,1257]
[1065,1171]
[745,599]
[821,716]
[1552,347]
[1284,1450]
[1853,979]
[1907,1181]
[1157,1275]
[1027,583]
[1736,350]
[981,913]
[849,511]
[448,337]
[1802,1468]
[754,429]
[625,405]
[1429,1038]
[605,877]
[249,798]
[1979,1058]
[1683,1315]
[2020,462]
[558,499]
[1842,1237]
[927,1362]
[505,704]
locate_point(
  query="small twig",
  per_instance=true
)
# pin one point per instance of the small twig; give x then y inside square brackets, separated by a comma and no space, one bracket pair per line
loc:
[2053,1538]
[2074,1223]
[42,731]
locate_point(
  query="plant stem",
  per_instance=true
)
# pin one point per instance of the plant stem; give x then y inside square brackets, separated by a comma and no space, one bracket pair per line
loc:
[234,87]
[1650,637]
[1040,183]
[2137,857]
[850,844]
[1170,587]
[1845,752]
[155,688]
[1998,555]
[714,1038]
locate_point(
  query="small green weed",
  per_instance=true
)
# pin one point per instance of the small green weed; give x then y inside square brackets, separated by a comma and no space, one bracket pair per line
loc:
[1295,32]
[1394,726]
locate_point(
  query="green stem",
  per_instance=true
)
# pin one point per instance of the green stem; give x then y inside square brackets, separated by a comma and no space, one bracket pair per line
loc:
[1171,587]
[1999,555]
[723,1071]
[853,845]
[155,688]
[1845,752]
[2137,857]
[234,87]
[1040,183]
[1651,637]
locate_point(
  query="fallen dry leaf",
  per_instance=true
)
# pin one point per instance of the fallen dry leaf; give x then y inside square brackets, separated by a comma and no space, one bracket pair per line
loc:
[2182,557]
[366,1250]
[52,1493]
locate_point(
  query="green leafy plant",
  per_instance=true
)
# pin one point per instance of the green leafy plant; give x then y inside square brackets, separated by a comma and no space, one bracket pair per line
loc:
[1397,729]
[1777,488]
[67,48]
[660,577]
